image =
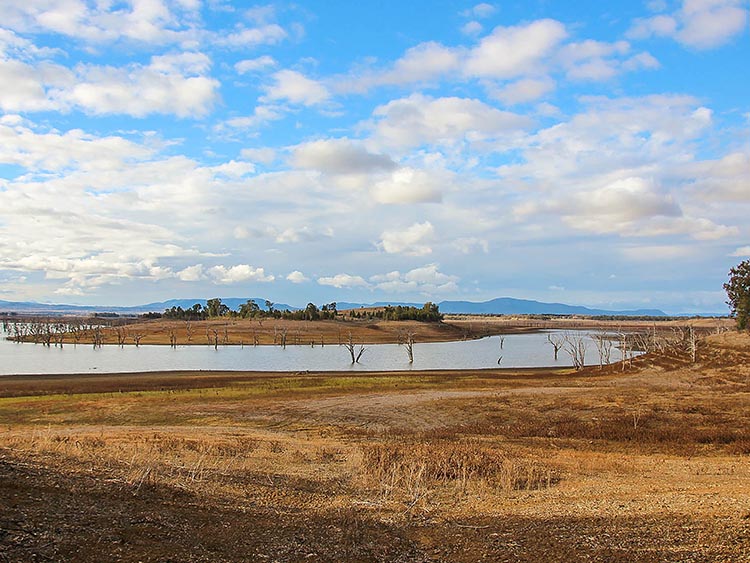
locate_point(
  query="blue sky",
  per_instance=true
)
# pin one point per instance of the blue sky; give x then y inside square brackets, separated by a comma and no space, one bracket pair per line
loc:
[584,152]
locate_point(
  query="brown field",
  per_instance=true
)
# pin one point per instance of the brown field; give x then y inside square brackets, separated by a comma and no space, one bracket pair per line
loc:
[249,332]
[643,465]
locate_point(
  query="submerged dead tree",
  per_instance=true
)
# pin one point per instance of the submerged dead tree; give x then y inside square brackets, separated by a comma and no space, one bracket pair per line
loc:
[350,346]
[406,339]
[557,343]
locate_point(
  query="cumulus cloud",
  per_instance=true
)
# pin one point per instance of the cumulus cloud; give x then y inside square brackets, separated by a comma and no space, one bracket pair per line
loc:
[174,84]
[420,119]
[598,60]
[297,277]
[742,252]
[45,150]
[408,185]
[244,37]
[251,65]
[472,28]
[171,84]
[511,51]
[148,21]
[343,281]
[481,10]
[699,24]
[238,274]
[530,51]
[339,156]
[524,90]
[427,280]
[296,88]
[413,241]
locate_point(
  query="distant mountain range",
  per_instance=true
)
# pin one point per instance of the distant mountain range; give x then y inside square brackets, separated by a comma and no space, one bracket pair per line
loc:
[500,306]
[511,306]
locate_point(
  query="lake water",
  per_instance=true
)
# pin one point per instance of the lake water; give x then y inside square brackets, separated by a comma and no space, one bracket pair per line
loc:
[518,350]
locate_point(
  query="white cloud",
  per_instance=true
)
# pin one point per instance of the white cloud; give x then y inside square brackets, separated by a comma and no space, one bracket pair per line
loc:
[408,185]
[339,156]
[472,28]
[243,38]
[419,119]
[413,241]
[238,274]
[296,88]
[54,151]
[191,273]
[524,90]
[597,60]
[427,280]
[262,115]
[511,51]
[147,21]
[742,252]
[343,281]
[699,24]
[482,10]
[727,178]
[170,84]
[252,65]
[297,277]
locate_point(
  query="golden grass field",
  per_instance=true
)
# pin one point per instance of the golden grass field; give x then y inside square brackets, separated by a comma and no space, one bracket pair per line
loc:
[647,464]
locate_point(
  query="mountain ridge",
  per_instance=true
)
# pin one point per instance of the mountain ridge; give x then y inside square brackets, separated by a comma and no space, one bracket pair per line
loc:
[497,306]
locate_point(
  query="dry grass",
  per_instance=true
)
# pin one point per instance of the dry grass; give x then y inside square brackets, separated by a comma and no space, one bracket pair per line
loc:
[656,444]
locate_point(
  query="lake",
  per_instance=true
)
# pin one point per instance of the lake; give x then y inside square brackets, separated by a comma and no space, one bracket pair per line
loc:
[518,351]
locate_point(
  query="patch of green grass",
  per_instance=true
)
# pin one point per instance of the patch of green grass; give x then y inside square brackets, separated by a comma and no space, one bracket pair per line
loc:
[201,405]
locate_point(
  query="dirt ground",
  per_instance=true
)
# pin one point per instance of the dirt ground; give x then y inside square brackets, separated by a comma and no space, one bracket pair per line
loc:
[649,463]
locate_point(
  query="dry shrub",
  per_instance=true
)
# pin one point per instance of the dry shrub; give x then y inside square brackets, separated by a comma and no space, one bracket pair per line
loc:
[414,467]
[648,428]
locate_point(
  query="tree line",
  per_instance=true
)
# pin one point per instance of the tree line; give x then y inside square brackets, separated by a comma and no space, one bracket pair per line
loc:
[214,308]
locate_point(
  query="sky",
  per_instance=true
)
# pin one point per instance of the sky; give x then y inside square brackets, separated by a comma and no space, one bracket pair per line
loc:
[592,153]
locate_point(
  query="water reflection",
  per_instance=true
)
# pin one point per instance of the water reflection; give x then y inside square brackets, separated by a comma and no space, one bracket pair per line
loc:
[518,350]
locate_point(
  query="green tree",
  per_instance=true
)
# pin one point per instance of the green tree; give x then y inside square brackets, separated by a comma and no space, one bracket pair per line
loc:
[311,312]
[738,294]
[249,309]
[215,308]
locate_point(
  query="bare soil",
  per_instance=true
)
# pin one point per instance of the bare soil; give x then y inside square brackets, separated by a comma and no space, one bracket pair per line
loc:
[650,463]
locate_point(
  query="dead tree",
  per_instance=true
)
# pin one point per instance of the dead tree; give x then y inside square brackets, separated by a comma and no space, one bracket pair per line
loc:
[575,346]
[356,355]
[557,343]
[692,343]
[215,333]
[406,339]
[502,342]
[172,338]
[121,333]
[189,330]
[96,336]
[137,336]
[604,347]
